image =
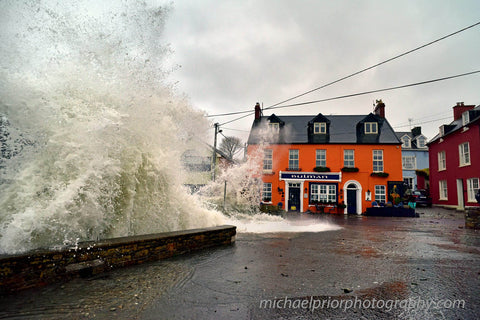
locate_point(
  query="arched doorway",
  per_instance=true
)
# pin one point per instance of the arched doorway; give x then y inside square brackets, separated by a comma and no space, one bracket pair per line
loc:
[353,199]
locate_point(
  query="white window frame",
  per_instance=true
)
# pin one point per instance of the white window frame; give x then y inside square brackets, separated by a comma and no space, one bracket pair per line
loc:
[473,184]
[371,128]
[293,159]
[323,192]
[409,181]
[347,162]
[377,160]
[319,127]
[406,142]
[442,190]
[465,118]
[274,126]
[464,154]
[267,160]
[409,163]
[321,158]
[267,192]
[423,144]
[380,194]
[442,161]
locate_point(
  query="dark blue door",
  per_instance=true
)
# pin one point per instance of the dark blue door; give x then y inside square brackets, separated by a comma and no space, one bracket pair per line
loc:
[351,201]
[294,199]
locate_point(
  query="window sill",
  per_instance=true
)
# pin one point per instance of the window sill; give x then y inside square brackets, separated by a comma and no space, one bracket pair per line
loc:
[464,165]
[293,169]
[268,172]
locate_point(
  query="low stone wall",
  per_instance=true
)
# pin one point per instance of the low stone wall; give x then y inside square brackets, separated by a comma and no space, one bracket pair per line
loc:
[472,219]
[41,267]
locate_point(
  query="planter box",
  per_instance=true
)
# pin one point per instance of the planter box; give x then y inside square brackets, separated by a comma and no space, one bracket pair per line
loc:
[391,212]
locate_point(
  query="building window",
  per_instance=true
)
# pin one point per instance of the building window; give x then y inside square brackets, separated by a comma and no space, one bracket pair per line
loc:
[443,189]
[465,118]
[320,128]
[274,126]
[293,160]
[380,194]
[472,188]
[409,163]
[323,193]
[464,154]
[421,142]
[406,142]
[409,182]
[442,161]
[377,160]
[267,192]
[349,158]
[268,160]
[321,158]
[371,128]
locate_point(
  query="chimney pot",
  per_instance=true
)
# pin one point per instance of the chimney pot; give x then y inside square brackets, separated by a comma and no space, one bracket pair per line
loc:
[380,108]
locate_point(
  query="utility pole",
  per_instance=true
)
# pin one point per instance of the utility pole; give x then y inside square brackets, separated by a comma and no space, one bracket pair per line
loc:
[214,157]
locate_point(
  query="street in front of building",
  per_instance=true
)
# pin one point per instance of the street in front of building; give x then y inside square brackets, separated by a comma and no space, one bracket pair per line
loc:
[373,267]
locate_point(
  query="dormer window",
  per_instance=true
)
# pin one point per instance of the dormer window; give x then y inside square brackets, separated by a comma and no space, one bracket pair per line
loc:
[406,143]
[274,126]
[465,118]
[442,131]
[371,127]
[421,142]
[320,128]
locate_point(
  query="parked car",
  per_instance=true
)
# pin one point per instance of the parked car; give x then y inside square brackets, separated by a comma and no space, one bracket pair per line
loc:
[422,198]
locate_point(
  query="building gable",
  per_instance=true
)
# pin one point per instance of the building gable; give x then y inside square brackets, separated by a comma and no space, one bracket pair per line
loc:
[369,129]
[314,134]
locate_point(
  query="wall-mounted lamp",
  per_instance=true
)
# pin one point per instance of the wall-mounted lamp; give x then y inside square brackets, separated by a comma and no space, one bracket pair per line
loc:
[306,190]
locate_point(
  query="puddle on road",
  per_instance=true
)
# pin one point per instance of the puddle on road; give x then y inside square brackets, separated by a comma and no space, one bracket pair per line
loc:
[121,293]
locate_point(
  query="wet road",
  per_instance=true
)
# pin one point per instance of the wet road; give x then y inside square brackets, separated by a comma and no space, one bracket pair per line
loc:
[372,268]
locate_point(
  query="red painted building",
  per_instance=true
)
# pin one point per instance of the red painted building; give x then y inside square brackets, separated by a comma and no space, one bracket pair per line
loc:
[455,159]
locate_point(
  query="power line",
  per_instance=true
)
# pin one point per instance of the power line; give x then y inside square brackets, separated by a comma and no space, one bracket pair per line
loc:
[223,128]
[423,122]
[238,118]
[375,65]
[361,93]
[404,124]
[378,90]
[349,76]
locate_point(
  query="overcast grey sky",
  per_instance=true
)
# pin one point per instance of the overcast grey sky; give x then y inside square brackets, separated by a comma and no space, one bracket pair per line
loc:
[235,53]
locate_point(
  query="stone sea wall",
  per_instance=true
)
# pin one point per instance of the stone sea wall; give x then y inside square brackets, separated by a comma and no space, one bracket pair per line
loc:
[41,267]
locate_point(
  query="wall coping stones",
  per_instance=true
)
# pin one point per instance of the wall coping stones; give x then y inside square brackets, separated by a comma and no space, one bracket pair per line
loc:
[43,266]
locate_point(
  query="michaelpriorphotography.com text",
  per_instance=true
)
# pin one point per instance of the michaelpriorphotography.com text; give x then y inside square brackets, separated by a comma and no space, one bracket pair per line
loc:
[313,303]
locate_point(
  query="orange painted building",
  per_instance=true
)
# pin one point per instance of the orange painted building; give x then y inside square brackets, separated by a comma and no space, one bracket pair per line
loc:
[337,164]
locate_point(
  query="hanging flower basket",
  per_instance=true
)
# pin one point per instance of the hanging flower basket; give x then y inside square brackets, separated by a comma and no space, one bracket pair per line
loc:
[321,169]
[379,174]
[349,169]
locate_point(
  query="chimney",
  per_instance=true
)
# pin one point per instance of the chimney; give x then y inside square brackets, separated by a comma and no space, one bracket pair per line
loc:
[380,108]
[258,111]
[416,131]
[459,109]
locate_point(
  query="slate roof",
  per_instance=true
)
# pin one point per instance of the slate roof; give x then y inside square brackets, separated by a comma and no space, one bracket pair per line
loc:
[413,139]
[343,129]
[458,124]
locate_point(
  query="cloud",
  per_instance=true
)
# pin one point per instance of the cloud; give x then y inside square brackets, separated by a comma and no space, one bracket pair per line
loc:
[235,53]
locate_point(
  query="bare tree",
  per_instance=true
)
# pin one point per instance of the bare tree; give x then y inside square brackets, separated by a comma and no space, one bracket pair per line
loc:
[230,146]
